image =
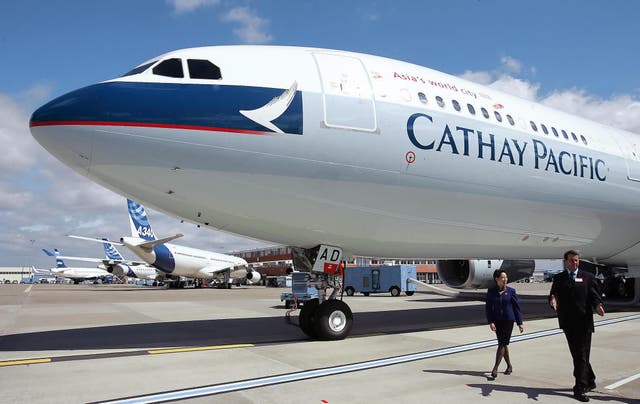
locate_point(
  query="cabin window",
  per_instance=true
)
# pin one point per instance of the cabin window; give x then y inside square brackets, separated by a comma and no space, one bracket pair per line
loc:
[564,134]
[533,126]
[555,132]
[139,69]
[440,101]
[203,69]
[511,121]
[583,140]
[169,68]
[485,113]
[471,109]
[544,129]
[456,105]
[422,98]
[575,138]
[498,116]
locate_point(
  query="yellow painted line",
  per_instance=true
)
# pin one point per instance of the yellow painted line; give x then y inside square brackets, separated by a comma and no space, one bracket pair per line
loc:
[25,362]
[199,348]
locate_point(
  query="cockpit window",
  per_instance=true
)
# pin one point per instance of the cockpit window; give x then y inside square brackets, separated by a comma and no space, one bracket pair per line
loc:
[169,68]
[139,69]
[203,69]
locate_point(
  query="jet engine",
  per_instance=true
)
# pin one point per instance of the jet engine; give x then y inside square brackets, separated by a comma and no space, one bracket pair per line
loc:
[478,274]
[253,276]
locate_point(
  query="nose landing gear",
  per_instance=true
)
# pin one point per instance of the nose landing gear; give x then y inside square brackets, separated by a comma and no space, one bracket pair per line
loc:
[326,318]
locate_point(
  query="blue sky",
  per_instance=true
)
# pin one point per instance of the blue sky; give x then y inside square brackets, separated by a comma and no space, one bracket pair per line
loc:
[580,56]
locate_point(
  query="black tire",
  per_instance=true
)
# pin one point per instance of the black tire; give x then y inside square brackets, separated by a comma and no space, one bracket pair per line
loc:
[365,293]
[350,291]
[409,292]
[307,317]
[395,291]
[333,320]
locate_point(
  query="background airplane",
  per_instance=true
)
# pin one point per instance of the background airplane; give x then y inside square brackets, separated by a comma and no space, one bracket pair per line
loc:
[77,274]
[328,150]
[179,261]
[116,264]
[121,267]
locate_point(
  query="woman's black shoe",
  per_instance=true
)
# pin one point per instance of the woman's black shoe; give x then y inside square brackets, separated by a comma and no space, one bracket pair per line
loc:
[508,371]
[494,374]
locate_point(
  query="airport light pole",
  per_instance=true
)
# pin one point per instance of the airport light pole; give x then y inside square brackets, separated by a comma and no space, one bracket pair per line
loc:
[33,241]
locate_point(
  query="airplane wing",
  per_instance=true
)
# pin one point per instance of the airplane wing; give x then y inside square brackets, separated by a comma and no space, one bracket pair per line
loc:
[214,269]
[104,261]
[152,243]
[101,241]
[83,259]
[40,271]
[67,257]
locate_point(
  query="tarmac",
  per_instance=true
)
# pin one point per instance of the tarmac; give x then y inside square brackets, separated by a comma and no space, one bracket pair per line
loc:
[114,343]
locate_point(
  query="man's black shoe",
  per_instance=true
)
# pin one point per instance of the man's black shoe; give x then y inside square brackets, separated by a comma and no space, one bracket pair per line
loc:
[581,397]
[591,387]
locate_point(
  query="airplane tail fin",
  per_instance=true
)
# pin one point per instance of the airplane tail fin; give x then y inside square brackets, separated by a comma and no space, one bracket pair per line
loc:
[111,252]
[59,262]
[140,226]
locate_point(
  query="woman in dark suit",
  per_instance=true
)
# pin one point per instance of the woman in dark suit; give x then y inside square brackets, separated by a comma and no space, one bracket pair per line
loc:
[502,311]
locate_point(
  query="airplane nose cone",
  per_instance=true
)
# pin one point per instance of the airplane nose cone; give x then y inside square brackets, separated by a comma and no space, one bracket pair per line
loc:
[60,127]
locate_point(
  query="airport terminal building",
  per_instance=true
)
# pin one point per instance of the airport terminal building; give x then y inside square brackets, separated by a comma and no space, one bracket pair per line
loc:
[14,274]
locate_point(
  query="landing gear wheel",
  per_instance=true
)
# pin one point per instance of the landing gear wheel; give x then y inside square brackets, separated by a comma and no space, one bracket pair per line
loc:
[350,291]
[395,291]
[308,317]
[333,320]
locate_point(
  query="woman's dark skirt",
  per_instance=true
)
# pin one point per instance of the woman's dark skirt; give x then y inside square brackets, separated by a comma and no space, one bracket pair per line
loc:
[503,331]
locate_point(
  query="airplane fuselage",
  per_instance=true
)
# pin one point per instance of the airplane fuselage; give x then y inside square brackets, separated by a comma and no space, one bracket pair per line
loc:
[184,261]
[363,156]
[80,273]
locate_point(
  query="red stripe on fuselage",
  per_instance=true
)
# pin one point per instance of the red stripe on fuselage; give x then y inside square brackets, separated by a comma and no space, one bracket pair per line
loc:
[149,125]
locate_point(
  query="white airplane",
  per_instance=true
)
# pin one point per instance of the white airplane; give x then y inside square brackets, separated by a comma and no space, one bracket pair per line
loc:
[77,274]
[116,264]
[329,150]
[174,260]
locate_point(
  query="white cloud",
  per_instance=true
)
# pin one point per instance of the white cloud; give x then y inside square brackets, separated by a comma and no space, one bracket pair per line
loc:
[519,87]
[188,6]
[511,65]
[19,149]
[484,78]
[621,111]
[252,28]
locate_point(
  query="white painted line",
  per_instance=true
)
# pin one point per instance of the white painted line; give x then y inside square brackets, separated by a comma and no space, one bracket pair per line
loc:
[27,290]
[623,381]
[323,372]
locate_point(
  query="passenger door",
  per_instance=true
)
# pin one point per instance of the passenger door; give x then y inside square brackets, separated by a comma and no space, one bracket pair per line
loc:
[346,93]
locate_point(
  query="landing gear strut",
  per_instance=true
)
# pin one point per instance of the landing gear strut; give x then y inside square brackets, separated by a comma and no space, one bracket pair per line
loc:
[325,318]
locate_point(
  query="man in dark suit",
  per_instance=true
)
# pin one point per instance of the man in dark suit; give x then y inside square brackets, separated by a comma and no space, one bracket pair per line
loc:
[574,296]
